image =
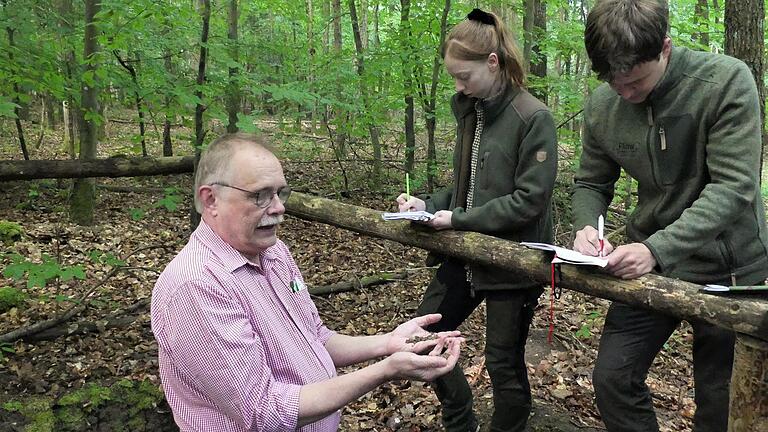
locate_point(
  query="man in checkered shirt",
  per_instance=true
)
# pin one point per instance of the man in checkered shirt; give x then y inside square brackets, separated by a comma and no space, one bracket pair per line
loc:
[241,345]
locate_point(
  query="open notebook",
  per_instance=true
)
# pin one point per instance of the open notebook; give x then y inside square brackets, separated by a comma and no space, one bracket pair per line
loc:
[567,256]
[422,216]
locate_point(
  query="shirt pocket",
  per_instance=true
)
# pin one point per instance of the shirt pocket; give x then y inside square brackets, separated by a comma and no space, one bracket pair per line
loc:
[675,148]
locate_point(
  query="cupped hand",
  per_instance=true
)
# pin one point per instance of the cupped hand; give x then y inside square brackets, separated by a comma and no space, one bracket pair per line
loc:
[401,338]
[407,202]
[406,365]
[588,243]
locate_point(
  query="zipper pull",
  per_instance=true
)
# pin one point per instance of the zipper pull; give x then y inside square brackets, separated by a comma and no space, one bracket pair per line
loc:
[663,137]
[733,278]
[649,112]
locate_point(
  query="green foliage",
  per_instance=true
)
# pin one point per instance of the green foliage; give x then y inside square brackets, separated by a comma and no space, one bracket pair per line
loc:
[171,199]
[10,232]
[11,297]
[137,214]
[591,320]
[5,349]
[7,108]
[107,258]
[39,274]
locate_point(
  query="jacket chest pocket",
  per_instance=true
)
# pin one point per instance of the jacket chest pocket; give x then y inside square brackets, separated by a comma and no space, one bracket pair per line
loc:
[483,178]
[674,145]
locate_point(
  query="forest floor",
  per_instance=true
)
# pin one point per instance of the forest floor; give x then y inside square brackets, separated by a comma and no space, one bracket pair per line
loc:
[136,218]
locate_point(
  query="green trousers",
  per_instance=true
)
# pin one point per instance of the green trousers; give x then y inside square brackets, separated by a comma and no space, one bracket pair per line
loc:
[508,318]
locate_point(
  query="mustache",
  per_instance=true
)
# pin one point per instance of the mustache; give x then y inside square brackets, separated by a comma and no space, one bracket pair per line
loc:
[268,220]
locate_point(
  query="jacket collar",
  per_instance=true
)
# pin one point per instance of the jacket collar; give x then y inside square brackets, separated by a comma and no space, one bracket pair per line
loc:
[492,107]
[677,64]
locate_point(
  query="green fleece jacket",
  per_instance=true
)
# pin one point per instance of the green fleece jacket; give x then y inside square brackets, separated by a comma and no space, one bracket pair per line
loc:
[694,148]
[515,175]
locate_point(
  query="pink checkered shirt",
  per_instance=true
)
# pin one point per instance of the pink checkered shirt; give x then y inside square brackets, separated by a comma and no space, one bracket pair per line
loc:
[236,339]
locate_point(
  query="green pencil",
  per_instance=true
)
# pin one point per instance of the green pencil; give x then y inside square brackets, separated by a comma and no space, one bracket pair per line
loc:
[407,186]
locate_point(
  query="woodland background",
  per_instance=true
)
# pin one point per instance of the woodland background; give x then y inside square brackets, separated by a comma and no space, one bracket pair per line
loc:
[354,95]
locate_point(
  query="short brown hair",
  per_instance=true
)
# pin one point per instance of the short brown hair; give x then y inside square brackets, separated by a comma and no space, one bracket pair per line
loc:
[474,40]
[216,160]
[621,34]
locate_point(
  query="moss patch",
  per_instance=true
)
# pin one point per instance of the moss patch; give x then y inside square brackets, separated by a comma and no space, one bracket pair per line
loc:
[124,406]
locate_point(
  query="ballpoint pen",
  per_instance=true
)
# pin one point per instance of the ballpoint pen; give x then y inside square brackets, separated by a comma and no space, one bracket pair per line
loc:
[600,229]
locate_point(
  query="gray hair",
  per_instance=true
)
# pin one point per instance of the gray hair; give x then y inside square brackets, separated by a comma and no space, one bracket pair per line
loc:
[216,161]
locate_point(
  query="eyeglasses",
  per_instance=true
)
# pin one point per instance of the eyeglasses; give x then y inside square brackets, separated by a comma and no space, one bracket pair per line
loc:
[262,198]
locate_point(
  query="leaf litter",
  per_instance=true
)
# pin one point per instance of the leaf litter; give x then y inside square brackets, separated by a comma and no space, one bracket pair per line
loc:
[560,374]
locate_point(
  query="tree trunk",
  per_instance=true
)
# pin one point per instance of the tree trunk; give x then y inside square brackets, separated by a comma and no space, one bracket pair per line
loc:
[430,103]
[701,23]
[408,52]
[205,15]
[340,136]
[16,92]
[665,295]
[233,93]
[745,40]
[83,198]
[310,67]
[749,386]
[50,110]
[535,25]
[137,98]
[364,90]
[85,168]
[169,117]
[68,106]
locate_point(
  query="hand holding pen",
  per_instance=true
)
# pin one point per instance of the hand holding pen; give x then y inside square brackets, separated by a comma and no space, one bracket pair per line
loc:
[591,241]
[407,202]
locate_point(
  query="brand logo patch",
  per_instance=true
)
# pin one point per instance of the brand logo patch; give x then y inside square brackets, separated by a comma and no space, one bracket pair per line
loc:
[626,148]
[541,156]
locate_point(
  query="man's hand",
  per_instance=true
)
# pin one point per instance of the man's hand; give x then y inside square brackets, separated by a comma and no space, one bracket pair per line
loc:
[442,220]
[403,338]
[410,203]
[631,261]
[405,365]
[588,243]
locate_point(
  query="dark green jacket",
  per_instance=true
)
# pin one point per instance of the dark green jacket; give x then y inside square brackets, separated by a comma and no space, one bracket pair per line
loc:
[516,169]
[694,148]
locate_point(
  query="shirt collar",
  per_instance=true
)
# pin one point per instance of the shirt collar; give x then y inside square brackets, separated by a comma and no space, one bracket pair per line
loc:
[230,258]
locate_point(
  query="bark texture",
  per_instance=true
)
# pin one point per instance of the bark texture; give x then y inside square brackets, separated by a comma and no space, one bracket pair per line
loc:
[749,386]
[111,167]
[670,296]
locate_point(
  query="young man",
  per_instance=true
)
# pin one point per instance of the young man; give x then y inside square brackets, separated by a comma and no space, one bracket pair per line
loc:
[240,343]
[686,125]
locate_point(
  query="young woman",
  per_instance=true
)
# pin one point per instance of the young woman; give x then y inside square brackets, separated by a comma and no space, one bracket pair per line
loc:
[504,168]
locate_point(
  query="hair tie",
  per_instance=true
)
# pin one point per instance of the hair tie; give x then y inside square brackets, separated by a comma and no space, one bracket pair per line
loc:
[480,16]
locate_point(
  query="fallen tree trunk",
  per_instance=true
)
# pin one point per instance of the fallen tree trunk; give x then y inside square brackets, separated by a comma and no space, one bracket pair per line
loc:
[365,281]
[670,296]
[110,167]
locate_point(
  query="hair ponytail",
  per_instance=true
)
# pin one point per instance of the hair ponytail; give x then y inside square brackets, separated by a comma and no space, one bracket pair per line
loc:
[481,34]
